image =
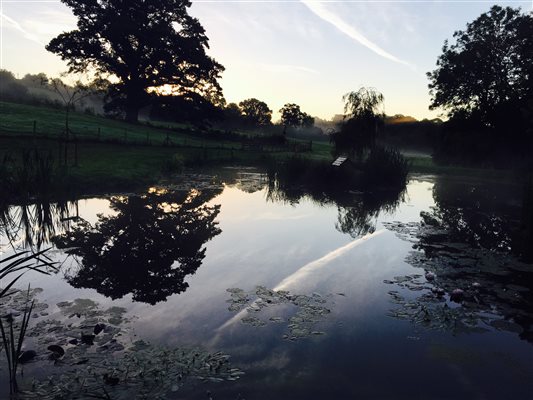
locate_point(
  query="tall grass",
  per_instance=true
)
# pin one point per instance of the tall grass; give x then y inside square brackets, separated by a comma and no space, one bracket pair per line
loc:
[13,333]
[29,174]
[13,341]
[385,168]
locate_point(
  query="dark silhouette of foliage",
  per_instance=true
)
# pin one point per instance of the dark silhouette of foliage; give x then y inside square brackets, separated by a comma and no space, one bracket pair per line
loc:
[142,44]
[147,249]
[10,88]
[293,117]
[307,121]
[363,118]
[256,112]
[484,81]
[191,107]
[470,241]
[386,168]
[298,178]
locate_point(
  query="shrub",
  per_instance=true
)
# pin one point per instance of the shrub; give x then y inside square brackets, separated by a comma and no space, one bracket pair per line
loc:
[385,167]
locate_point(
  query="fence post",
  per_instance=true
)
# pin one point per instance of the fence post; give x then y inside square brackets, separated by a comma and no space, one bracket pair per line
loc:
[34,127]
[125,135]
[75,151]
[99,133]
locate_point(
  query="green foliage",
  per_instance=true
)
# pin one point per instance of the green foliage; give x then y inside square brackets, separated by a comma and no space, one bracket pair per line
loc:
[143,45]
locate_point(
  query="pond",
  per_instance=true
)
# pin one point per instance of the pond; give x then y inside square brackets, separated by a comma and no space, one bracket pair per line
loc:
[258,292]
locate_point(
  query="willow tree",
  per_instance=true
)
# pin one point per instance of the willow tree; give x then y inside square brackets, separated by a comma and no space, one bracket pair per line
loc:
[140,46]
[363,117]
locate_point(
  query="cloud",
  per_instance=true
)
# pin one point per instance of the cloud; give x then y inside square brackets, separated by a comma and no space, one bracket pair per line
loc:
[287,68]
[14,24]
[307,270]
[320,11]
[49,23]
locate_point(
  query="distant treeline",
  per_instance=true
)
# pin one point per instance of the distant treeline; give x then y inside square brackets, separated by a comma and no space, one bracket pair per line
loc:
[35,89]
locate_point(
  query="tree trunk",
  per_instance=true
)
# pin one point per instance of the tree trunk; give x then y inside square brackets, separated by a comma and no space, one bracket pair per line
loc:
[135,96]
[132,113]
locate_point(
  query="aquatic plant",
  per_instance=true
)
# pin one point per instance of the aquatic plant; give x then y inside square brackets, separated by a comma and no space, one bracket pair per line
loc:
[22,262]
[13,335]
[310,309]
[94,357]
[465,287]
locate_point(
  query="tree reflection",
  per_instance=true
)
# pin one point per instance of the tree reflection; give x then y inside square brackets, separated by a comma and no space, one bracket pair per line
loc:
[147,248]
[31,226]
[467,251]
[357,210]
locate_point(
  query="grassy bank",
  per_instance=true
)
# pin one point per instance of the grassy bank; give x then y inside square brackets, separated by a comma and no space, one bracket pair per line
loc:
[113,155]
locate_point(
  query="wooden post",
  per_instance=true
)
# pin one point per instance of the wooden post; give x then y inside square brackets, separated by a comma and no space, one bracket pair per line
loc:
[34,127]
[99,133]
[75,151]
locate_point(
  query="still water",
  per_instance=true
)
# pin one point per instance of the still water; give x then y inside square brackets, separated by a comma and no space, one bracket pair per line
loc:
[312,296]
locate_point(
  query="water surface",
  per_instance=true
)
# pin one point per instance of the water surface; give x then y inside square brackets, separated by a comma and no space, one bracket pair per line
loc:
[360,328]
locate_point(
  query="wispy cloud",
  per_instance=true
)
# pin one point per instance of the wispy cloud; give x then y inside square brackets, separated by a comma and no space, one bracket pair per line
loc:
[14,24]
[283,68]
[320,11]
[49,23]
[306,271]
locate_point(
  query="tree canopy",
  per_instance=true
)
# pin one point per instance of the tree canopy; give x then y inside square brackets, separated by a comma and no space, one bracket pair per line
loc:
[292,116]
[485,78]
[142,45]
[256,112]
[363,117]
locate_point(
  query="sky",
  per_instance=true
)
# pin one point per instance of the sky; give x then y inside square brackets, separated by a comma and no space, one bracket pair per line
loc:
[287,51]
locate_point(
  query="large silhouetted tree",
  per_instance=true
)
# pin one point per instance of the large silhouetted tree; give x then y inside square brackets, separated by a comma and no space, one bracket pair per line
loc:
[141,45]
[363,117]
[484,79]
[292,116]
[256,112]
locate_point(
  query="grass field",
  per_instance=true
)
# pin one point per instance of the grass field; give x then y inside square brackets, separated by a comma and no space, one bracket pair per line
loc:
[114,155]
[25,120]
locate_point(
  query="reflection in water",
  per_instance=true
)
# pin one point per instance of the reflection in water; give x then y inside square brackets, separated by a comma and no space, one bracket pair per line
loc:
[357,211]
[473,278]
[136,250]
[33,225]
[358,216]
